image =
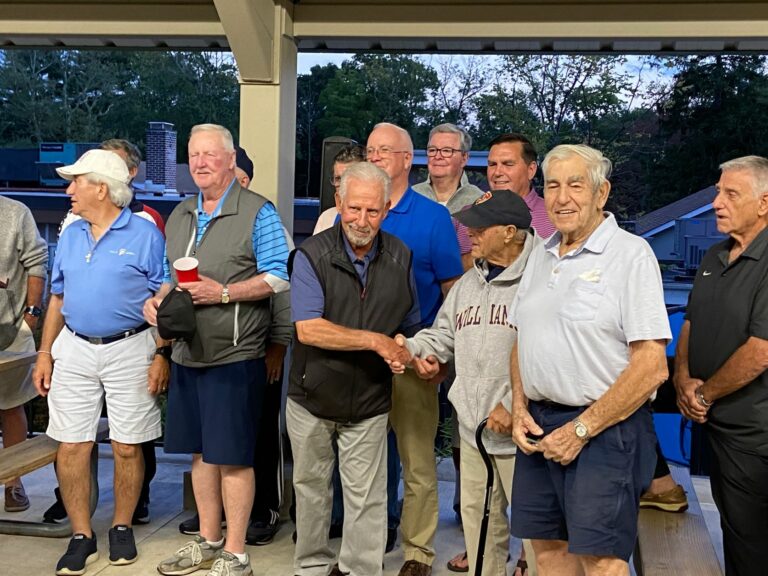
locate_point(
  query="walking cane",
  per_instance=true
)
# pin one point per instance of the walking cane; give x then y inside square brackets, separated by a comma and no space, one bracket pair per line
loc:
[488,494]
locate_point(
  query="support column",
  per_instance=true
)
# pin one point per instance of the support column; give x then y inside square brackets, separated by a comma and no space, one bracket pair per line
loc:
[260,33]
[268,133]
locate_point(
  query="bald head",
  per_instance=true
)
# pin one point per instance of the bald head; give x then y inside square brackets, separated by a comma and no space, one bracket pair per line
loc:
[390,148]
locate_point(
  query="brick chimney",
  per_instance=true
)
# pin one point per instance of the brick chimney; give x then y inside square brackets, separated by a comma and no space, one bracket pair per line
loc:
[161,155]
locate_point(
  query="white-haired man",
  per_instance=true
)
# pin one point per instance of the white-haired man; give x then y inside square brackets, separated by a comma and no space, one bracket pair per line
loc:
[590,352]
[96,344]
[218,377]
[351,291]
[721,361]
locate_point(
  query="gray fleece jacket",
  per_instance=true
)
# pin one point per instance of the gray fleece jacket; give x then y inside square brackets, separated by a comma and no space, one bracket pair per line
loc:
[472,327]
[23,253]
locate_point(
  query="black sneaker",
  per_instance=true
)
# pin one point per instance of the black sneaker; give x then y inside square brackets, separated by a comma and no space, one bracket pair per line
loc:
[260,533]
[191,525]
[80,552]
[122,546]
[56,514]
[141,514]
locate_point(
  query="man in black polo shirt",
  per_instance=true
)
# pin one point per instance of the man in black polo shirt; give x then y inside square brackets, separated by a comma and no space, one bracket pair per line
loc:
[722,356]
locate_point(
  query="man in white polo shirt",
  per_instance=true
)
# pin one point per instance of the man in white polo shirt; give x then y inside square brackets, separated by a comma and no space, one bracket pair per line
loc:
[592,333]
[96,344]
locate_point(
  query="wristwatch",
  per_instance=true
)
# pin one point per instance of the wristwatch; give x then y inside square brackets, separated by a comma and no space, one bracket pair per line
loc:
[164,351]
[225,295]
[33,311]
[582,433]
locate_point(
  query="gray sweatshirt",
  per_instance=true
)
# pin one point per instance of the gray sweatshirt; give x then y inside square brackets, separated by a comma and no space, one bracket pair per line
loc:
[473,328]
[23,253]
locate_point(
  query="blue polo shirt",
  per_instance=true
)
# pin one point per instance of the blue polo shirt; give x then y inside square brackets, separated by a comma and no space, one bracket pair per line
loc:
[268,238]
[105,283]
[426,228]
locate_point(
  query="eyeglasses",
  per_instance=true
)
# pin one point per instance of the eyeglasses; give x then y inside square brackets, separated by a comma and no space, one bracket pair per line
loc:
[444,152]
[335,181]
[384,152]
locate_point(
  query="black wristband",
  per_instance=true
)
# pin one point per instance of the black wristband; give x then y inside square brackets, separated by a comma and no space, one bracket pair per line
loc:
[164,351]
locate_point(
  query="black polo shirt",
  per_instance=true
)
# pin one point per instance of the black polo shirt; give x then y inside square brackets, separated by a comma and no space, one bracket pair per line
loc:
[728,305]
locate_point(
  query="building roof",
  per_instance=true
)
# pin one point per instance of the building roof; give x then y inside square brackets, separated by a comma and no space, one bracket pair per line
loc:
[677,209]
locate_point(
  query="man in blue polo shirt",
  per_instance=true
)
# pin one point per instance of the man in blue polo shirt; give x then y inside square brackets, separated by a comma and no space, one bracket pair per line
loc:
[106,266]
[426,228]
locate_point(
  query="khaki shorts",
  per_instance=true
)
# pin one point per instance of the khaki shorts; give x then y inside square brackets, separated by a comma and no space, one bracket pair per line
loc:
[16,386]
[85,375]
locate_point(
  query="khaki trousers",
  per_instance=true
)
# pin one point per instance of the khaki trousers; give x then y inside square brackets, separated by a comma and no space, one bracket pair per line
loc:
[414,419]
[363,468]
[473,479]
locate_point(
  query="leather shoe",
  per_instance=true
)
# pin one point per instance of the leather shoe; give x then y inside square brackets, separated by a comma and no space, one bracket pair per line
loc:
[16,498]
[415,568]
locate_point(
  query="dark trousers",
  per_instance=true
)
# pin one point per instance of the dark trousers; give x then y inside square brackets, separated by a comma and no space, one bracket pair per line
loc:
[740,489]
[150,469]
[662,468]
[268,461]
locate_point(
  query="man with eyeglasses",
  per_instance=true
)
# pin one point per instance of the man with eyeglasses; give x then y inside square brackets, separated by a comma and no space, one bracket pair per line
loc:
[426,229]
[447,155]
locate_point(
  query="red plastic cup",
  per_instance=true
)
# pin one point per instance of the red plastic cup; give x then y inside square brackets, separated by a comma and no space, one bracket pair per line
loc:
[186,269]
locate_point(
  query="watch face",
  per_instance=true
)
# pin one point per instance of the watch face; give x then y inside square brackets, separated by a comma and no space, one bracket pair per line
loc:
[581,430]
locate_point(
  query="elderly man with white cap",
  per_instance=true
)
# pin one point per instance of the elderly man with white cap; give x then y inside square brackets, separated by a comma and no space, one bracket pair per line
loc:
[96,344]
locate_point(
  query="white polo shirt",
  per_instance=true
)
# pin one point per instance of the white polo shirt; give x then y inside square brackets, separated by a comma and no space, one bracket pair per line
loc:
[577,314]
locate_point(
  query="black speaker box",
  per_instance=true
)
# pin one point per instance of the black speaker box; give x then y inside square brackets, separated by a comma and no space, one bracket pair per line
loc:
[331,147]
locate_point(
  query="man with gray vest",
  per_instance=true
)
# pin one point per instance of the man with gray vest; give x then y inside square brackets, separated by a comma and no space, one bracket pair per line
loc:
[218,377]
[352,289]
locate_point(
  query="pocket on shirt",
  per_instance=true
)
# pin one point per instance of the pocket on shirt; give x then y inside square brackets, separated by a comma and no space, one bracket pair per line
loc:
[583,300]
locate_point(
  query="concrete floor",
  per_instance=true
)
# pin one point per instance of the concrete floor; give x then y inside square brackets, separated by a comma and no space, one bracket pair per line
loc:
[24,555]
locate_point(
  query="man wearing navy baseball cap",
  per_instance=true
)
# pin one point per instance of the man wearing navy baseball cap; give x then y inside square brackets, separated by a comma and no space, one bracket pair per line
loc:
[472,328]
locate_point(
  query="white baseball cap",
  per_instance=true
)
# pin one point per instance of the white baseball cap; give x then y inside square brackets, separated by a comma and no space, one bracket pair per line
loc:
[101,162]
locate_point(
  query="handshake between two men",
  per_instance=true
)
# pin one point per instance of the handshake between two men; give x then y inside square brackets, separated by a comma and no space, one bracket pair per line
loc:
[429,368]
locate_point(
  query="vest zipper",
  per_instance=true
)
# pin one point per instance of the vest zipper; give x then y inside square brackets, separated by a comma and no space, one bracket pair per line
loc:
[236,330]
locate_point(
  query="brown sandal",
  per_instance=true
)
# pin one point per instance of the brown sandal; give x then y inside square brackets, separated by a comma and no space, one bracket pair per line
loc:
[459,563]
[521,565]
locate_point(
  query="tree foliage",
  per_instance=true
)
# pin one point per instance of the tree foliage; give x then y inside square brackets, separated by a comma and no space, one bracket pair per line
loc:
[90,95]
[666,137]
[710,113]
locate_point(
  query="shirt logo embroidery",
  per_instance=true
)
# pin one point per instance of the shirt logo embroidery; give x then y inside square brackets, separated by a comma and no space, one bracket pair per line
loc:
[591,275]
[706,273]
[122,252]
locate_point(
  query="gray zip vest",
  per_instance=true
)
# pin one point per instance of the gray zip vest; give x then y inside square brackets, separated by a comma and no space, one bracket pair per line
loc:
[232,332]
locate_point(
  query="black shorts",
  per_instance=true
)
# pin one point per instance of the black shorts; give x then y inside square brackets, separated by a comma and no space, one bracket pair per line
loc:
[593,502]
[215,411]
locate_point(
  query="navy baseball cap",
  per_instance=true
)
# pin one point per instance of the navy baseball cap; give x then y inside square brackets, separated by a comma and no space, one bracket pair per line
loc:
[496,208]
[243,162]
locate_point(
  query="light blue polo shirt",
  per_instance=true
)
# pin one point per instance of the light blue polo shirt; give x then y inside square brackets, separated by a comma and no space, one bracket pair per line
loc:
[105,283]
[268,237]
[426,228]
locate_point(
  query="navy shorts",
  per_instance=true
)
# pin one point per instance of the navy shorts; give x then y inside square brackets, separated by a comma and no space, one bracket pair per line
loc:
[215,411]
[592,502]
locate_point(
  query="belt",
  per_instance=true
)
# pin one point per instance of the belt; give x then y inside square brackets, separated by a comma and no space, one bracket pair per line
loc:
[556,406]
[113,338]
[565,408]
